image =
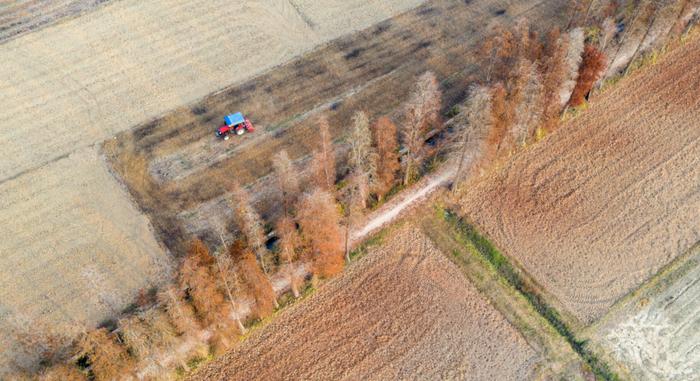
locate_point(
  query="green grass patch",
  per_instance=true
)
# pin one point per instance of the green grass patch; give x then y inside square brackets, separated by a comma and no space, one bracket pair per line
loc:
[502,266]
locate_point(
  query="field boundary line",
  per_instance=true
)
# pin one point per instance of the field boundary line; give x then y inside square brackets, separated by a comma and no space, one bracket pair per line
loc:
[523,285]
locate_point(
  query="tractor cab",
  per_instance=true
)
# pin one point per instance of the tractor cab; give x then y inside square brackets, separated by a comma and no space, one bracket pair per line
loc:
[234,124]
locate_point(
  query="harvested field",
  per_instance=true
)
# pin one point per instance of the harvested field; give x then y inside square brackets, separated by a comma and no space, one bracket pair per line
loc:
[656,334]
[402,312]
[131,61]
[54,228]
[610,198]
[185,172]
[18,17]
[68,87]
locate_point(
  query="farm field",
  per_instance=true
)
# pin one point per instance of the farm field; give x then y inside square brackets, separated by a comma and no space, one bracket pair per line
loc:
[18,17]
[180,173]
[84,79]
[403,311]
[74,249]
[609,199]
[128,62]
[656,332]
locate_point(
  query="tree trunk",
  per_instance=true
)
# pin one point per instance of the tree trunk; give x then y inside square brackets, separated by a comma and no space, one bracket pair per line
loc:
[234,308]
[347,242]
[624,37]
[639,47]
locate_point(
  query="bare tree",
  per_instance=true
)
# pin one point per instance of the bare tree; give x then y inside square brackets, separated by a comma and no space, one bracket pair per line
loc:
[572,63]
[320,225]
[554,69]
[386,143]
[499,50]
[324,158]
[249,223]
[229,280]
[355,206]
[420,114]
[623,37]
[608,31]
[478,118]
[289,243]
[649,19]
[287,176]
[529,103]
[363,158]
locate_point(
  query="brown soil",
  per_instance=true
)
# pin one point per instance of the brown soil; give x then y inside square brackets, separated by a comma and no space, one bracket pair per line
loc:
[183,168]
[402,312]
[611,197]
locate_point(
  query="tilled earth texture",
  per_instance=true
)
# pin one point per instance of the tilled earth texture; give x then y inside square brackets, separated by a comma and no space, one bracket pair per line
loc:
[611,197]
[402,312]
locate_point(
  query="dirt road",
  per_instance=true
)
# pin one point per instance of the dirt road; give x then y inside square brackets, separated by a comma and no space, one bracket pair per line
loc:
[611,197]
[402,312]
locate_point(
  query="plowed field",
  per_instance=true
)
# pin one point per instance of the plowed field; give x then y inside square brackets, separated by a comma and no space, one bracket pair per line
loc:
[402,312]
[611,197]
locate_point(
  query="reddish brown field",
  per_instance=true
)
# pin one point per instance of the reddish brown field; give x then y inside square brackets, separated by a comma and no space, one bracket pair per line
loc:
[610,198]
[402,312]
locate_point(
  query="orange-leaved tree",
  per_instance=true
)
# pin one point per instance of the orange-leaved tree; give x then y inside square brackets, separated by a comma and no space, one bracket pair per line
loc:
[386,144]
[108,359]
[320,226]
[421,114]
[254,281]
[591,69]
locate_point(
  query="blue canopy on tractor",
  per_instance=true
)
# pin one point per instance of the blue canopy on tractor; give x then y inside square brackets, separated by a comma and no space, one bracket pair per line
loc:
[234,119]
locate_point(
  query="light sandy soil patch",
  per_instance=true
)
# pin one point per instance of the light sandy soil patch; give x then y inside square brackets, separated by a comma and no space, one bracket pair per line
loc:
[130,61]
[610,198]
[657,333]
[402,312]
[74,249]
[18,17]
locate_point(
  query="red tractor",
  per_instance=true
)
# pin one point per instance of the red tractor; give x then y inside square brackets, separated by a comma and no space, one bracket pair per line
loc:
[234,124]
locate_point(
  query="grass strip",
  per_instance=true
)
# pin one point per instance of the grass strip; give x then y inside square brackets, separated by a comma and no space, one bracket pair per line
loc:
[505,269]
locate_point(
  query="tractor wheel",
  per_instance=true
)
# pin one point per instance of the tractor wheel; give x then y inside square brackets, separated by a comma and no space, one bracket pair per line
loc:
[227,137]
[241,131]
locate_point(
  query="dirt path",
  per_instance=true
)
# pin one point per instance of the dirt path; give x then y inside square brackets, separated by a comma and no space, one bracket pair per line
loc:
[407,199]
